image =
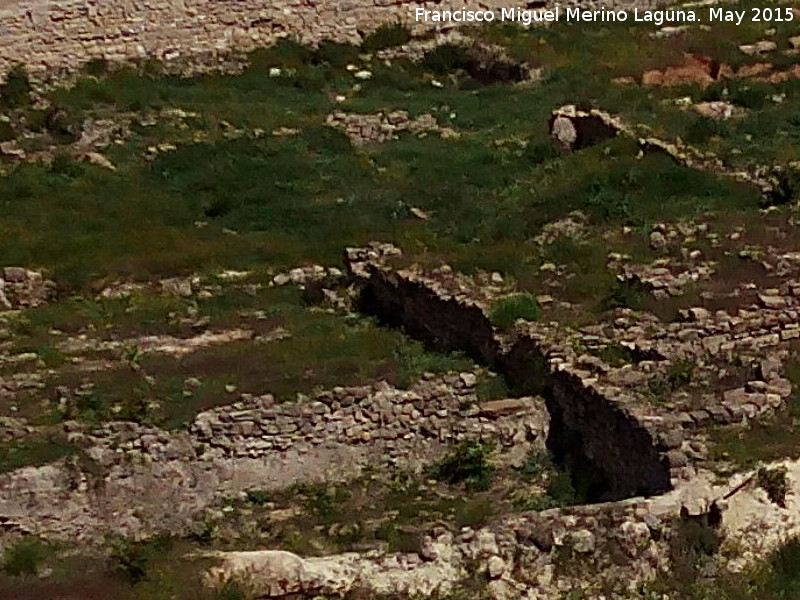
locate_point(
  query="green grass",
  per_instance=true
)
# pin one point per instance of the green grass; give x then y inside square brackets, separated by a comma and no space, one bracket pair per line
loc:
[30,452]
[301,199]
[505,311]
[321,351]
[25,557]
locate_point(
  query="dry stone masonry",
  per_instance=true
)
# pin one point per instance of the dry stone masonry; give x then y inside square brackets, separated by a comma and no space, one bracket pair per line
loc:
[53,35]
[398,425]
[573,129]
[136,480]
[23,288]
[607,419]
[385,126]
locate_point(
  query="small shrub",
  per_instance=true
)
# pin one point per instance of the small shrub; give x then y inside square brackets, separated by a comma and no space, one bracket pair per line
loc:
[25,557]
[386,36]
[323,501]
[132,559]
[785,190]
[616,355]
[624,294]
[692,541]
[537,463]
[678,375]
[447,58]
[205,532]
[507,310]
[63,123]
[492,387]
[475,514]
[783,571]
[467,463]
[97,67]
[286,54]
[258,497]
[7,131]
[335,54]
[561,489]
[16,90]
[754,98]
[773,481]
[230,591]
[63,164]
[681,373]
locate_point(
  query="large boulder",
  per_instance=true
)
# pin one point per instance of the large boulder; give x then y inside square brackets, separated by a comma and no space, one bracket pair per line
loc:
[573,129]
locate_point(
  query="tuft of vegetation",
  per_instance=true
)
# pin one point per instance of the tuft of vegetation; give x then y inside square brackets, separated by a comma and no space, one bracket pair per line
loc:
[505,311]
[25,557]
[32,452]
[616,355]
[677,376]
[386,36]
[259,497]
[132,559]
[774,482]
[447,58]
[467,463]
[624,294]
[16,90]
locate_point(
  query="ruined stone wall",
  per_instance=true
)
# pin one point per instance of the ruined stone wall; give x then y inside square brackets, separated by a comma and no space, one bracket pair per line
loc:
[61,34]
[401,426]
[135,480]
[591,430]
[602,443]
[455,321]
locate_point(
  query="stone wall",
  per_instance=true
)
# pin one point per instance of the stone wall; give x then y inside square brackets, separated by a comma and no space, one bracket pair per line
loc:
[455,321]
[400,426]
[55,34]
[134,480]
[22,288]
[592,429]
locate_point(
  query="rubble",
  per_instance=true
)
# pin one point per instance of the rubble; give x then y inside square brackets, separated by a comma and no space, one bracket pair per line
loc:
[23,288]
[385,126]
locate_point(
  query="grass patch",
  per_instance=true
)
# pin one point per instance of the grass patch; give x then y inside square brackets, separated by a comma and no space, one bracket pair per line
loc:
[505,311]
[25,557]
[467,463]
[32,452]
[386,36]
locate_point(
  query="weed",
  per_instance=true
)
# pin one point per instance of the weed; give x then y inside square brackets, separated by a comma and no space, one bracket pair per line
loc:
[25,557]
[447,58]
[561,489]
[537,463]
[677,376]
[386,36]
[16,90]
[505,311]
[467,463]
[692,541]
[133,559]
[259,497]
[624,294]
[616,355]
[774,482]
[492,386]
[230,591]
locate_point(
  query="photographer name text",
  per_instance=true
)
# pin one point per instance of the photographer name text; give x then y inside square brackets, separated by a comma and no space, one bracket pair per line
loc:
[578,15]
